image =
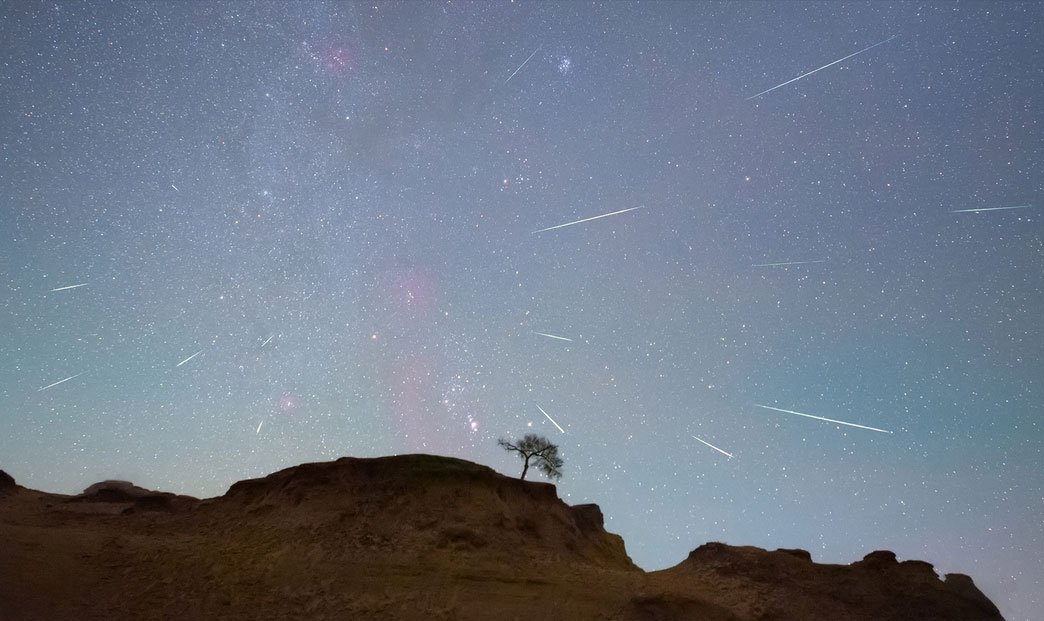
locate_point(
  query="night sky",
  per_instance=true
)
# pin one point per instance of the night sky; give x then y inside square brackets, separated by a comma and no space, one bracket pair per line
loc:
[306,230]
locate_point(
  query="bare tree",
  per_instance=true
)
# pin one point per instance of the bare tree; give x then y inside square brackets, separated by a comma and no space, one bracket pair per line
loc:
[539,449]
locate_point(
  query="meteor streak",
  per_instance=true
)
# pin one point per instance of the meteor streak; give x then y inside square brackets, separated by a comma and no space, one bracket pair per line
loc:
[787,263]
[189,358]
[990,209]
[259,427]
[523,64]
[829,420]
[550,419]
[729,455]
[58,382]
[175,187]
[82,284]
[604,215]
[267,340]
[552,336]
[805,75]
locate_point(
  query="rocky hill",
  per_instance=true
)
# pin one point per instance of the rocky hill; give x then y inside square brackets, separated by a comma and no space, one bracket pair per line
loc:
[7,484]
[409,537]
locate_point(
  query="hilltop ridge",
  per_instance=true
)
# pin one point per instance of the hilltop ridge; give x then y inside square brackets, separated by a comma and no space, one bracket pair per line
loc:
[409,537]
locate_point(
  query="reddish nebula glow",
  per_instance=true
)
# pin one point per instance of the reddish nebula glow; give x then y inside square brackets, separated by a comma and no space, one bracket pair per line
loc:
[412,398]
[288,403]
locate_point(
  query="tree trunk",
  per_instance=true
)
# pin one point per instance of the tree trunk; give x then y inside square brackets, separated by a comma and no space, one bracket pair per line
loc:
[525,468]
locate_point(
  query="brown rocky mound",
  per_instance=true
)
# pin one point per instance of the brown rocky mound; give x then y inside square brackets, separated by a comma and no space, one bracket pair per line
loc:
[787,584]
[130,498]
[114,491]
[419,504]
[410,537]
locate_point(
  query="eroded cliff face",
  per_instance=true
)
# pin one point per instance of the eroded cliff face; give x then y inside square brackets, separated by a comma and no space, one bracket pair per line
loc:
[409,537]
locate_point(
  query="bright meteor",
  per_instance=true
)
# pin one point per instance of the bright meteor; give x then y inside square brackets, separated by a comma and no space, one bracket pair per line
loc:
[524,62]
[58,382]
[189,358]
[83,284]
[604,215]
[829,420]
[552,336]
[788,263]
[550,419]
[805,75]
[729,455]
[990,209]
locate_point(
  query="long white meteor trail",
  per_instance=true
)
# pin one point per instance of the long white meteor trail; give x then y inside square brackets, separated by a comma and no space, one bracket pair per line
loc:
[523,64]
[604,215]
[990,209]
[82,284]
[805,75]
[259,427]
[729,455]
[550,419]
[829,420]
[788,263]
[189,358]
[267,340]
[552,336]
[58,382]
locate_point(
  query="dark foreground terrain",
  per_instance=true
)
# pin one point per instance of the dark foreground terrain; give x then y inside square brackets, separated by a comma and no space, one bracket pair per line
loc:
[409,537]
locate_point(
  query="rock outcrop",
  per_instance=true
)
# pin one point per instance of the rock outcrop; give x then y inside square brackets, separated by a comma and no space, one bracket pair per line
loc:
[423,504]
[7,484]
[786,584]
[131,498]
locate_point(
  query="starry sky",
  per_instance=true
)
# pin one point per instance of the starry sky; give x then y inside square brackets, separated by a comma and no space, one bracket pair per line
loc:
[256,234]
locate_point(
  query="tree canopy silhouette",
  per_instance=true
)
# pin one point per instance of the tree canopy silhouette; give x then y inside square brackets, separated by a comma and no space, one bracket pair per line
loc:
[540,450]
